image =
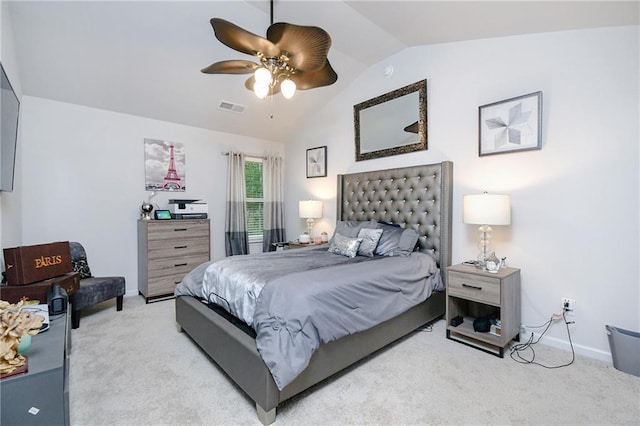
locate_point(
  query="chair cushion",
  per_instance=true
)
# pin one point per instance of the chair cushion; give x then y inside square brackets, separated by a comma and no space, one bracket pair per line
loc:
[96,290]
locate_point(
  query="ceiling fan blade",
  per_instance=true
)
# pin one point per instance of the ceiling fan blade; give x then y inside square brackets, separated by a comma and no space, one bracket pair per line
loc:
[308,46]
[412,128]
[242,40]
[234,66]
[325,76]
[251,80]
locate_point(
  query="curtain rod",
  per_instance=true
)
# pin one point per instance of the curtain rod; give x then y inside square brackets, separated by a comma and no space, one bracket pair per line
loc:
[226,154]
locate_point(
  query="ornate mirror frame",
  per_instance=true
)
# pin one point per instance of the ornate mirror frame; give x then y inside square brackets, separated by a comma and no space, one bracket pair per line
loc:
[384,124]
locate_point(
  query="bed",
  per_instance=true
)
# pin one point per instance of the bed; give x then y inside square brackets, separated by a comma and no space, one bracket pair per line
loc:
[417,197]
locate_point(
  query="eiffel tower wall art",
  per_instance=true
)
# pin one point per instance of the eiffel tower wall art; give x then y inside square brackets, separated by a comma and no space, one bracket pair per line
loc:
[164,166]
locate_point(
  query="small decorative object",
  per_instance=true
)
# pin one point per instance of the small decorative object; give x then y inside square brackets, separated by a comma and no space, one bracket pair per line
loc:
[324,236]
[145,211]
[317,162]
[493,263]
[14,324]
[503,262]
[318,240]
[146,208]
[304,239]
[511,125]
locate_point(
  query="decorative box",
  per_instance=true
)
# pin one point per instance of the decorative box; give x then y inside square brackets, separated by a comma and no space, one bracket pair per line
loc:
[38,291]
[29,264]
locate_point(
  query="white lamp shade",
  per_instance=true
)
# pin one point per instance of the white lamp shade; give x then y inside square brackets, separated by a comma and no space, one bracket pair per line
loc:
[311,209]
[288,88]
[487,209]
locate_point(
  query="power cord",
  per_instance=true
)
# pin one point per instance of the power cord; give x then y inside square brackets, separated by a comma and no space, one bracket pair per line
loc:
[518,350]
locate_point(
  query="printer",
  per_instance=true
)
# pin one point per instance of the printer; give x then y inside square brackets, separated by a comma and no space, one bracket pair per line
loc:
[188,209]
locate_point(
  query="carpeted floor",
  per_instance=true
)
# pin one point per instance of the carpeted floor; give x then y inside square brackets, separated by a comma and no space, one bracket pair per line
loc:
[133,368]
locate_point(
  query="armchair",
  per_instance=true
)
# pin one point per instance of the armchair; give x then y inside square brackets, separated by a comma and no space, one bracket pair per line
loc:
[92,290]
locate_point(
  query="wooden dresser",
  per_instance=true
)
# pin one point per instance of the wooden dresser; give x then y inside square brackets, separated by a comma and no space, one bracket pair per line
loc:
[167,250]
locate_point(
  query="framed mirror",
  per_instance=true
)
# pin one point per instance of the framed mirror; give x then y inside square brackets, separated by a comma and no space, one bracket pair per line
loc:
[393,123]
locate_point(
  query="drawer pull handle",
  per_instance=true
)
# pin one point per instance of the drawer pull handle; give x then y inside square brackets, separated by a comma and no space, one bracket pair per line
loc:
[471,286]
[180,247]
[181,264]
[180,229]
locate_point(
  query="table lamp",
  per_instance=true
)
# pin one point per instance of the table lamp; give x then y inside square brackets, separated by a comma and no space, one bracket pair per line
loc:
[311,209]
[485,210]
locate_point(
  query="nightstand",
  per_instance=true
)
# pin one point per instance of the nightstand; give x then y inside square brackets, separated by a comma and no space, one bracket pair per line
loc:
[297,244]
[474,293]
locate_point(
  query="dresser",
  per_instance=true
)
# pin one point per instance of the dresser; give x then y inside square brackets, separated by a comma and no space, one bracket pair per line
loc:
[474,293]
[41,395]
[167,250]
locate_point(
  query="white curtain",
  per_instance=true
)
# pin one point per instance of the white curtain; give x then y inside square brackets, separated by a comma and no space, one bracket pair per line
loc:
[272,185]
[236,236]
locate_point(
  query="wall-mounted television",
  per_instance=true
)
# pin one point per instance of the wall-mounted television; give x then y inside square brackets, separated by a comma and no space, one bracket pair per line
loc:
[9,111]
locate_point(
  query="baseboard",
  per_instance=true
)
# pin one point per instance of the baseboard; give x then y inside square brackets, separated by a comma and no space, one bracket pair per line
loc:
[579,349]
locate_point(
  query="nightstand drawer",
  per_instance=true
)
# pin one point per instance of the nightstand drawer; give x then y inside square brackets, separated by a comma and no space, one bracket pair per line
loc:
[474,287]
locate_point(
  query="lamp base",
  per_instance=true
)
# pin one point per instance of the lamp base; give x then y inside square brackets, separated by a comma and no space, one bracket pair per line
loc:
[310,228]
[485,245]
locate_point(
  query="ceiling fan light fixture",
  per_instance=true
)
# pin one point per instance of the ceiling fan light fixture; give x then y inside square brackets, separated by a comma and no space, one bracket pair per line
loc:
[288,88]
[263,76]
[261,90]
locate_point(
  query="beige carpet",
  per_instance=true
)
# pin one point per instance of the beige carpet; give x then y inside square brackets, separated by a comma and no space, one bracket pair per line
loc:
[134,368]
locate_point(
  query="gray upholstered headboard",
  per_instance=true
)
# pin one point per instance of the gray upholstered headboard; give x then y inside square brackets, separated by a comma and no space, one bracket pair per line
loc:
[418,197]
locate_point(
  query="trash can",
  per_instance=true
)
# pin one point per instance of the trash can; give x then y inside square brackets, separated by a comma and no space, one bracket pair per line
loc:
[625,349]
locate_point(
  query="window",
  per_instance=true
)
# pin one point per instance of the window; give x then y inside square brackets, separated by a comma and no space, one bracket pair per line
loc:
[253,182]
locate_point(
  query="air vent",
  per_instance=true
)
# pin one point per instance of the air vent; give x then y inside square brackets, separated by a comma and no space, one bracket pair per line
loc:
[228,106]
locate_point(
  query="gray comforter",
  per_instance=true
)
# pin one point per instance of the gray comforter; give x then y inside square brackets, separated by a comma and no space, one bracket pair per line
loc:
[299,299]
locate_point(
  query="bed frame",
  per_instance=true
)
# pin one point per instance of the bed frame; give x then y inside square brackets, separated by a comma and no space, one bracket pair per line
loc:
[417,197]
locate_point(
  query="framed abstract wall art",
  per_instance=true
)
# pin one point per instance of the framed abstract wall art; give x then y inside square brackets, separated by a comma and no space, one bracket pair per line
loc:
[317,162]
[511,125]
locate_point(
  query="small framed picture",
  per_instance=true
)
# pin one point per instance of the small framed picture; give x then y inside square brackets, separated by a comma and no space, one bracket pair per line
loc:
[317,162]
[511,125]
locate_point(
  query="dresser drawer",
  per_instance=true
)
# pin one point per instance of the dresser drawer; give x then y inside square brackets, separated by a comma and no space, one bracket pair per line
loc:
[164,267]
[174,229]
[160,249]
[474,287]
[159,286]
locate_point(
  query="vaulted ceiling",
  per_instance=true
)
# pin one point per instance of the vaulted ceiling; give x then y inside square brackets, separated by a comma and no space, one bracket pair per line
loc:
[144,57]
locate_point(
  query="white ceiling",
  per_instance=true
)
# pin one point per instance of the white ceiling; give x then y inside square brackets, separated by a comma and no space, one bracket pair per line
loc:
[144,58]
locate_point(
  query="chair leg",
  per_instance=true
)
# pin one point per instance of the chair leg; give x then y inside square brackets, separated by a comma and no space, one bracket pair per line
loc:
[75,318]
[119,303]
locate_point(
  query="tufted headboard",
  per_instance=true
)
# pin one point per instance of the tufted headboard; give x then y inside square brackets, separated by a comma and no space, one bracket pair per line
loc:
[418,197]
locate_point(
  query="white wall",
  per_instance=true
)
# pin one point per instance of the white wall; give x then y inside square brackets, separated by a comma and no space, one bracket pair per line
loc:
[83,179]
[574,229]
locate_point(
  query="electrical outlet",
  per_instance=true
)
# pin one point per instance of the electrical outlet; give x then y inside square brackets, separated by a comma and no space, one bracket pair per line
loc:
[569,305]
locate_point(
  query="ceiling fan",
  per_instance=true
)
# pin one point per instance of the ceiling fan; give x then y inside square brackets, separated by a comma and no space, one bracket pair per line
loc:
[291,57]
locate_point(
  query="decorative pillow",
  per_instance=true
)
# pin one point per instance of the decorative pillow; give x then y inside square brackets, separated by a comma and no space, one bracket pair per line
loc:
[344,246]
[82,267]
[396,241]
[370,238]
[350,228]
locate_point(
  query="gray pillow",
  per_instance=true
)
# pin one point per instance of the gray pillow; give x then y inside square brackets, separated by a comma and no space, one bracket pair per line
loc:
[350,228]
[370,238]
[344,246]
[396,241]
